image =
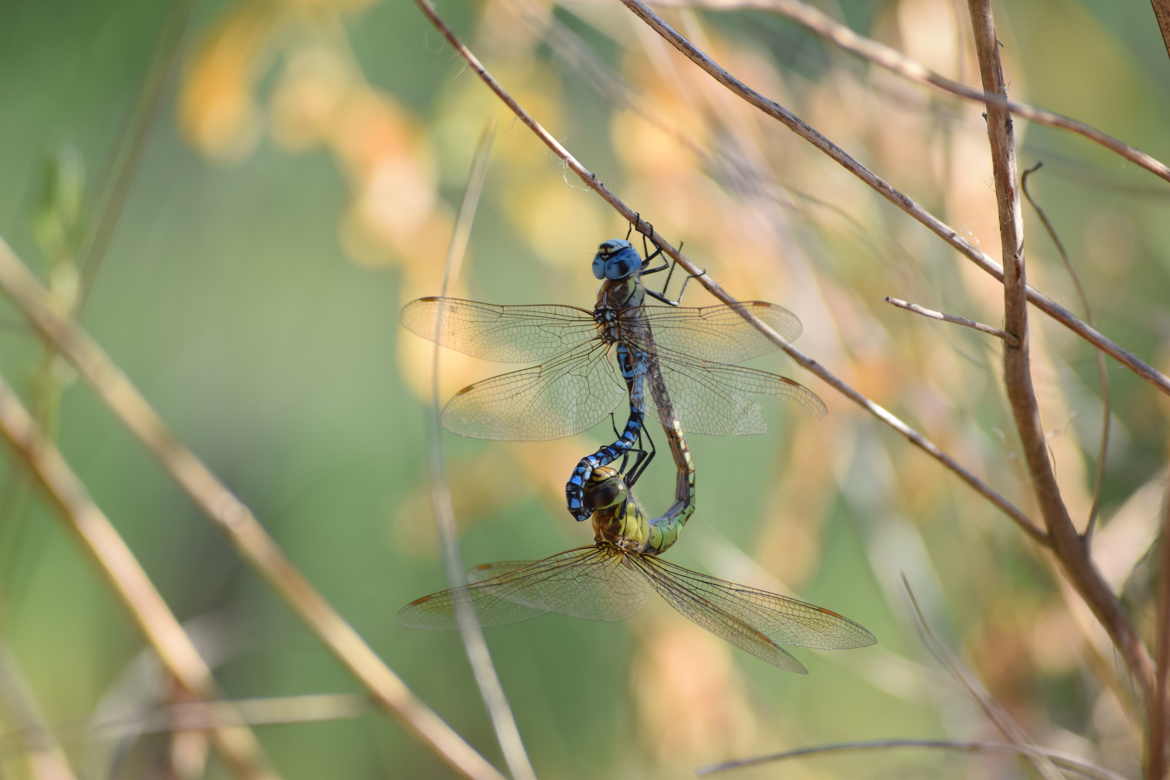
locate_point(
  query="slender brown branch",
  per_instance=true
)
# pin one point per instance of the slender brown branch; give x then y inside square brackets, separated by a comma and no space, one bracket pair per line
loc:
[490,689]
[1067,545]
[125,575]
[590,179]
[232,517]
[1162,14]
[1068,763]
[46,759]
[1102,369]
[1156,764]
[902,201]
[952,318]
[819,22]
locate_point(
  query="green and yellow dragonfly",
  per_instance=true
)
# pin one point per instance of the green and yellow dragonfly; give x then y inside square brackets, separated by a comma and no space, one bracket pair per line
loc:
[614,577]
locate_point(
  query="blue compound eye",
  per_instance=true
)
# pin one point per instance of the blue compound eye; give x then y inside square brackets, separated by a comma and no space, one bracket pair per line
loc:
[598,267]
[615,259]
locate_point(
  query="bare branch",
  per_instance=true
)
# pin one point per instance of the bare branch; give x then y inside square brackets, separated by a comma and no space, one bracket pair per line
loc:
[894,196]
[507,732]
[938,315]
[590,179]
[891,59]
[1067,545]
[1069,763]
[1162,14]
[232,517]
[126,577]
[1156,765]
[1102,369]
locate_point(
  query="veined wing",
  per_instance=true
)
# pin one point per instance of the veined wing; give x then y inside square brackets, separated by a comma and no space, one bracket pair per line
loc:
[712,616]
[718,332]
[505,334]
[560,397]
[717,398]
[782,619]
[586,582]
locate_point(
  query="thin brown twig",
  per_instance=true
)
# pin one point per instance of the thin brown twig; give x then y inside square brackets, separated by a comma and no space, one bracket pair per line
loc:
[886,190]
[232,517]
[127,579]
[46,759]
[1102,369]
[1068,546]
[490,688]
[952,318]
[998,716]
[590,179]
[1162,15]
[1069,763]
[132,144]
[1155,759]
[820,23]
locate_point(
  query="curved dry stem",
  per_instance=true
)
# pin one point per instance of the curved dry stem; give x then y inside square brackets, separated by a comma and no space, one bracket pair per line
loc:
[503,721]
[126,577]
[894,196]
[1102,370]
[1067,545]
[232,517]
[590,179]
[1068,763]
[819,22]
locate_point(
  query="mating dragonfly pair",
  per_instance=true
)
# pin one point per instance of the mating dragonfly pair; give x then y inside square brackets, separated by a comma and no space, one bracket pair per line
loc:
[682,359]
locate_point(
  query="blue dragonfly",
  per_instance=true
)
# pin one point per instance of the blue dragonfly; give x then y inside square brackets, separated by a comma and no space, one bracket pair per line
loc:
[684,356]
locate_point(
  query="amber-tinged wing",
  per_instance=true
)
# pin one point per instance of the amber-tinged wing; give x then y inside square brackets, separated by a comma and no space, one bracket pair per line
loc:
[560,397]
[752,619]
[586,582]
[505,334]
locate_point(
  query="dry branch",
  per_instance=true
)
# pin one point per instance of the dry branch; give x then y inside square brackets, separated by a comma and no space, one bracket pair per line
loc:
[951,318]
[899,199]
[894,61]
[127,579]
[1070,549]
[590,179]
[232,517]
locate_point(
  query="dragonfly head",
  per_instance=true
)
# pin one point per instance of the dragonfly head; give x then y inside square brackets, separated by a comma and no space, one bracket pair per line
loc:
[616,259]
[606,488]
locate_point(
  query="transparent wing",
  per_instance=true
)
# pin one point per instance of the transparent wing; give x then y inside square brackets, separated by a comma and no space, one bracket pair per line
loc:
[586,582]
[781,619]
[716,398]
[505,334]
[560,397]
[718,332]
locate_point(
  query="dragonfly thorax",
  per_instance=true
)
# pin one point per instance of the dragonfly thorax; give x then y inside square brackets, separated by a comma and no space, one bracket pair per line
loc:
[616,259]
[617,518]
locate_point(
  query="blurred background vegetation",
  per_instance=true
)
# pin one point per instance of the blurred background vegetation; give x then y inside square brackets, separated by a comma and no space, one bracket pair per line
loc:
[298,182]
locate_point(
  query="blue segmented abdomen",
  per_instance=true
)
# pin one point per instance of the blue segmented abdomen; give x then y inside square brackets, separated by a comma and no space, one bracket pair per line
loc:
[633,364]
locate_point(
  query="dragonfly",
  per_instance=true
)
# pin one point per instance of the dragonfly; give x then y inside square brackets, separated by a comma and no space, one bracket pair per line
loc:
[686,355]
[616,575]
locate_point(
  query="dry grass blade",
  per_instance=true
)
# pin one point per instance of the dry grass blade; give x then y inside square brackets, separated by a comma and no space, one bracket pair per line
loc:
[894,61]
[1067,545]
[1102,369]
[1068,763]
[44,757]
[504,722]
[232,517]
[901,200]
[995,713]
[125,575]
[590,179]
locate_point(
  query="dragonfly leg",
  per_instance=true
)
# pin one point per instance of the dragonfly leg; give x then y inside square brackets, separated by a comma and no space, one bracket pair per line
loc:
[642,458]
[575,487]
